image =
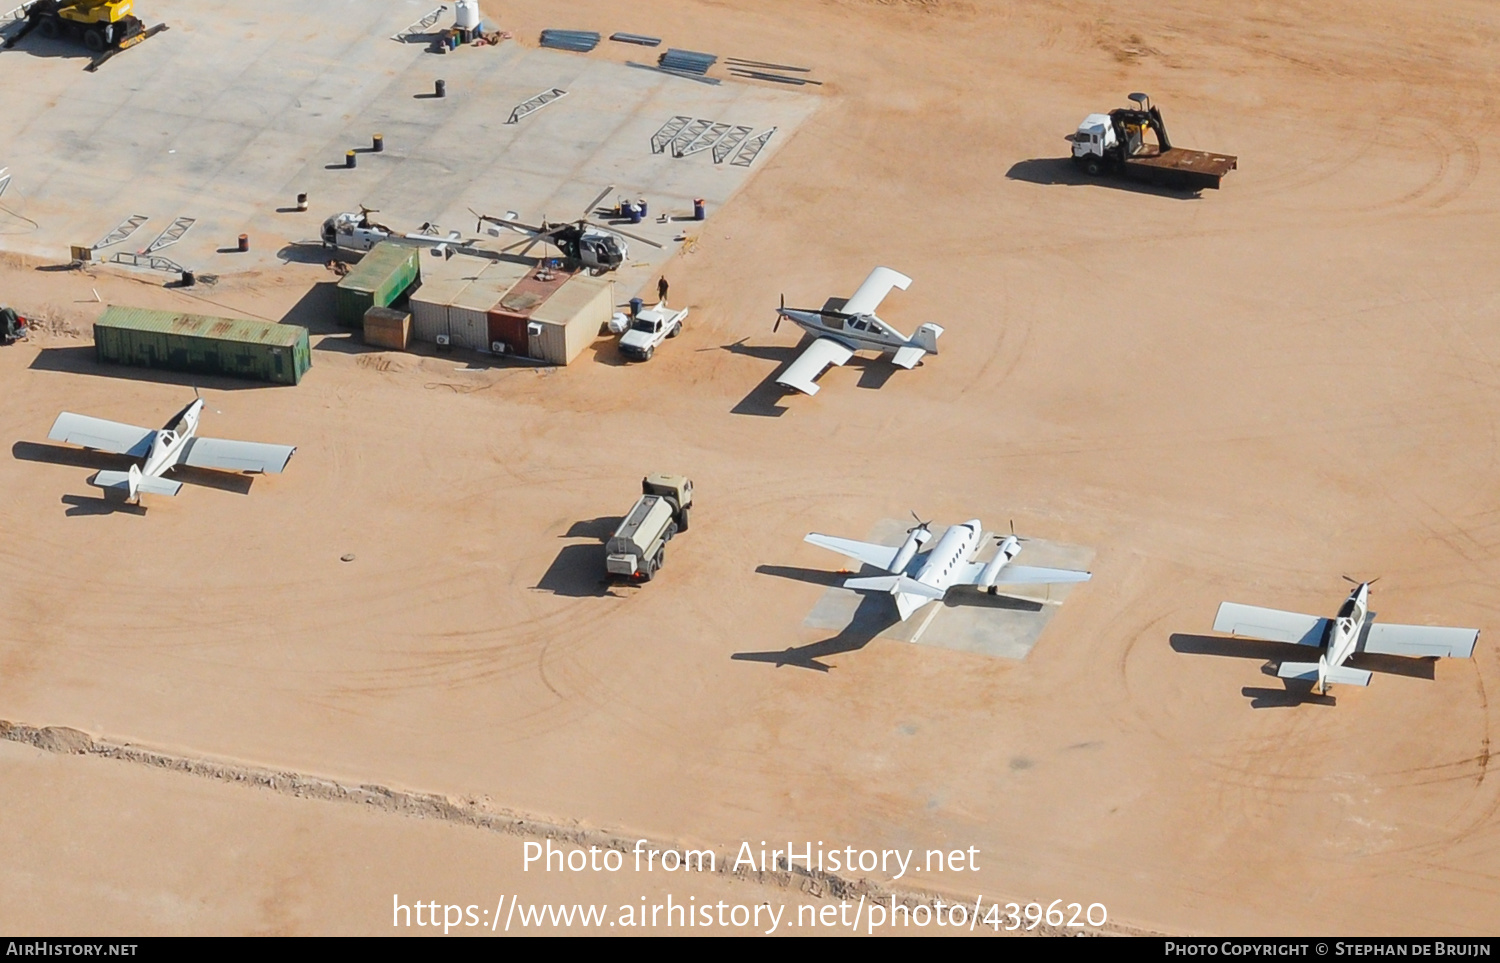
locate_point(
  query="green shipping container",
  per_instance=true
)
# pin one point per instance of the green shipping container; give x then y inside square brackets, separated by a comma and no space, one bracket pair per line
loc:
[197,343]
[380,278]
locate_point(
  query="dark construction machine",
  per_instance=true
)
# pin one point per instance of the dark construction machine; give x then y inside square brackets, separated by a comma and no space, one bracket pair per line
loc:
[1117,143]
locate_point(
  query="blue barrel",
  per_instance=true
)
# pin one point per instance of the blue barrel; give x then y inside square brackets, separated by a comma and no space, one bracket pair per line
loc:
[636,212]
[641,206]
[635,306]
[698,209]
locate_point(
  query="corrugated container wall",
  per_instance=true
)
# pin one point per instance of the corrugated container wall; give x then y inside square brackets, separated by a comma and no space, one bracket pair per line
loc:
[239,348]
[380,278]
[387,328]
[569,321]
[468,322]
[429,307]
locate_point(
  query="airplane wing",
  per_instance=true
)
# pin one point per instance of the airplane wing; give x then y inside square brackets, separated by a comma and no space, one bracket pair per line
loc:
[1026,575]
[880,556]
[874,290]
[101,435]
[1272,625]
[235,455]
[1419,640]
[907,357]
[818,356]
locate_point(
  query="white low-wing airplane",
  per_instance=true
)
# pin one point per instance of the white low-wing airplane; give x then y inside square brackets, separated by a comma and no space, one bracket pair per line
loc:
[915,581]
[854,328]
[175,443]
[1352,631]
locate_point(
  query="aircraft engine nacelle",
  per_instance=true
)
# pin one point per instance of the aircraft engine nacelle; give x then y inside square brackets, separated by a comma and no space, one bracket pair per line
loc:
[991,571]
[915,539]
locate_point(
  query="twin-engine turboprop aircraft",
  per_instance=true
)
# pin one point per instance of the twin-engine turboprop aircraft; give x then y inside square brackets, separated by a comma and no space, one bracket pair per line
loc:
[853,328]
[915,581]
[1352,631]
[163,449]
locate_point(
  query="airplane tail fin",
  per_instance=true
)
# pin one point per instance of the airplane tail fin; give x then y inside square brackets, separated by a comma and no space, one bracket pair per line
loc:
[1324,677]
[132,483]
[894,584]
[926,337]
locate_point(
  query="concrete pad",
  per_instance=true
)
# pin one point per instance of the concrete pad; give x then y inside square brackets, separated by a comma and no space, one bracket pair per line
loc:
[231,113]
[968,620]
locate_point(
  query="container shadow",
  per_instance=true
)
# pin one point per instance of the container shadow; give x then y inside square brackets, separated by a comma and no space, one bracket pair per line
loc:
[315,310]
[84,360]
[577,572]
[1062,171]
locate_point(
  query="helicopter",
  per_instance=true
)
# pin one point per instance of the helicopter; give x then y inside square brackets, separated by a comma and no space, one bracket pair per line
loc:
[597,246]
[356,232]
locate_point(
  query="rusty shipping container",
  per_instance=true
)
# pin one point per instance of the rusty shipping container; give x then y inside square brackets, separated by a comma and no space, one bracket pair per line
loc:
[387,328]
[382,276]
[234,347]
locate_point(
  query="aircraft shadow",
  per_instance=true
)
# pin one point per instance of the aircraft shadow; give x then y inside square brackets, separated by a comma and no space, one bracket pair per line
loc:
[577,572]
[81,505]
[970,597]
[309,252]
[1295,694]
[1062,171]
[107,461]
[870,619]
[815,576]
[1277,652]
[764,400]
[84,360]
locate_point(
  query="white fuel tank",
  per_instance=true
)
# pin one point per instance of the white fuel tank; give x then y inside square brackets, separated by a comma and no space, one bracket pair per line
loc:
[466,14]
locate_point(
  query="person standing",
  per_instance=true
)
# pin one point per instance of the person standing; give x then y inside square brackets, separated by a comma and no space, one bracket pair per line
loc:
[661,290]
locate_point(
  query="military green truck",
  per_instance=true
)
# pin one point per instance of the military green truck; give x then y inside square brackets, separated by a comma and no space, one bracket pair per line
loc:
[639,545]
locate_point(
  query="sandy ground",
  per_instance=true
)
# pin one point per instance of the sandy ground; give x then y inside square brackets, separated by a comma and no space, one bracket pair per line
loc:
[1242,396]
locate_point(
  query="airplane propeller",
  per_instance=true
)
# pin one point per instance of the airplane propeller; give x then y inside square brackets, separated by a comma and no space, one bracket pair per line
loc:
[1019,538]
[779,315]
[1370,582]
[920,525]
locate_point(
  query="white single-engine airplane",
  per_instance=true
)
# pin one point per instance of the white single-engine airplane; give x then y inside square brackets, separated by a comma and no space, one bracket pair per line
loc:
[162,450]
[1352,631]
[914,581]
[854,328]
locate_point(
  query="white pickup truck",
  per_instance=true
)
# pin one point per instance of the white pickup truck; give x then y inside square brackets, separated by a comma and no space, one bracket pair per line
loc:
[649,329]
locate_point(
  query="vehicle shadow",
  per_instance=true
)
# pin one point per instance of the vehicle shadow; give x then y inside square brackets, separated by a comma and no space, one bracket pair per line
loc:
[84,359]
[601,528]
[578,572]
[1062,171]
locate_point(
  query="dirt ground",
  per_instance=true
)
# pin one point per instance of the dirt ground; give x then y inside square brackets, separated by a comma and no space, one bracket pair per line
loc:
[1243,396]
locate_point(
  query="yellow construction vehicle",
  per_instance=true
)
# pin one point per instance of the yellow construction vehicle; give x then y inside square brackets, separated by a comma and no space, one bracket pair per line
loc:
[101,24]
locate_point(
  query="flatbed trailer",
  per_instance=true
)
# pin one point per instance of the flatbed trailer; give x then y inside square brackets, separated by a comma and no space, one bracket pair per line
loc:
[1181,168]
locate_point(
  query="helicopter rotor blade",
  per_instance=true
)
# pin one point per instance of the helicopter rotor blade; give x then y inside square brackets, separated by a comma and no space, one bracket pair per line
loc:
[589,210]
[615,230]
